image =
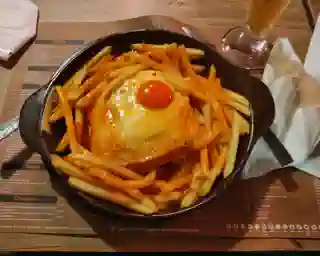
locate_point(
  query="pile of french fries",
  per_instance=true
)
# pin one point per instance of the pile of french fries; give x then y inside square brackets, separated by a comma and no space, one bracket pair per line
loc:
[222,111]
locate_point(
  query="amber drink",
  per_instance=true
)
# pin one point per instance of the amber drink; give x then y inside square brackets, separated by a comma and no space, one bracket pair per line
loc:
[263,15]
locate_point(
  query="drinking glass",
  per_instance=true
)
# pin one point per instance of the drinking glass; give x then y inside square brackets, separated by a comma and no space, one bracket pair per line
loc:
[248,46]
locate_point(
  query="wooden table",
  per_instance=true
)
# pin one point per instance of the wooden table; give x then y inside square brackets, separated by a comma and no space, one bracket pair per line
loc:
[314,8]
[209,15]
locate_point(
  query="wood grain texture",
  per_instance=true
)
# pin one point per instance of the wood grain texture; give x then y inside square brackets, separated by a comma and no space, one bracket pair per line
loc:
[11,87]
[29,242]
[214,17]
[76,17]
[310,244]
[315,8]
[207,12]
[200,244]
[8,242]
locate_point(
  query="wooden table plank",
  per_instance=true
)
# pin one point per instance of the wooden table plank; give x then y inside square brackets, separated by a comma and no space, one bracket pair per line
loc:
[213,16]
[8,242]
[310,244]
[315,8]
[150,243]
[204,12]
[67,243]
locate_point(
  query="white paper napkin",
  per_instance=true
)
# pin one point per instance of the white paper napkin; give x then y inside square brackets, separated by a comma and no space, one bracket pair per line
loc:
[296,93]
[18,24]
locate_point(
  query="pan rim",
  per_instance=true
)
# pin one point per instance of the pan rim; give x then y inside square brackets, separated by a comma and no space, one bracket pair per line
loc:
[77,54]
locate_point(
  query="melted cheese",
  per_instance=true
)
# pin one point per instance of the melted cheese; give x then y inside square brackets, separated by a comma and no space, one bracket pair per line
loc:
[135,134]
[136,122]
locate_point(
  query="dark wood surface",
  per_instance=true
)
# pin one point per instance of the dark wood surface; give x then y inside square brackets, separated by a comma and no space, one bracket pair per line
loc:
[209,15]
[314,6]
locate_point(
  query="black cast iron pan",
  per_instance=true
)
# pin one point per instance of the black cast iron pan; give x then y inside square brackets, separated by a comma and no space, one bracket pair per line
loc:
[236,79]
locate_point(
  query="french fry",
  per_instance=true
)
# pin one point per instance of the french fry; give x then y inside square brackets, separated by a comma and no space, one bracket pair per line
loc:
[109,65]
[63,144]
[183,86]
[174,184]
[149,203]
[92,95]
[114,181]
[220,116]
[228,112]
[186,169]
[100,128]
[98,76]
[138,195]
[233,145]
[166,198]
[174,55]
[90,83]
[212,73]
[217,129]
[76,80]
[200,116]
[241,108]
[147,62]
[105,51]
[238,102]
[68,168]
[96,161]
[79,123]
[244,125]
[197,177]
[207,92]
[122,70]
[202,141]
[185,63]
[214,173]
[192,52]
[225,137]
[206,187]
[80,75]
[213,152]
[67,112]
[56,115]
[100,64]
[204,162]
[162,206]
[192,193]
[113,196]
[129,187]
[95,93]
[188,199]
[207,114]
[217,90]
[237,97]
[159,54]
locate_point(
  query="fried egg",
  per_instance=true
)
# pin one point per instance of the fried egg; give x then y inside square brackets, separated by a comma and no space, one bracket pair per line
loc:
[142,133]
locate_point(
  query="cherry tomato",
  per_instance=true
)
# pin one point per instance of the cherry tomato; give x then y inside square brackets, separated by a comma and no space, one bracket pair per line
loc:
[155,94]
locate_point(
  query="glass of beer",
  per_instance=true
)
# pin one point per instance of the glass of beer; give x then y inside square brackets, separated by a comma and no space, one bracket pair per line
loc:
[248,46]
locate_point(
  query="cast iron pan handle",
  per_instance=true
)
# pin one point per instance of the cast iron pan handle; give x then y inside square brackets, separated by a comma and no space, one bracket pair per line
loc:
[29,120]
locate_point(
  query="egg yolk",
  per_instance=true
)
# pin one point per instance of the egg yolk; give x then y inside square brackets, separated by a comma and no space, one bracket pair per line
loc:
[154,95]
